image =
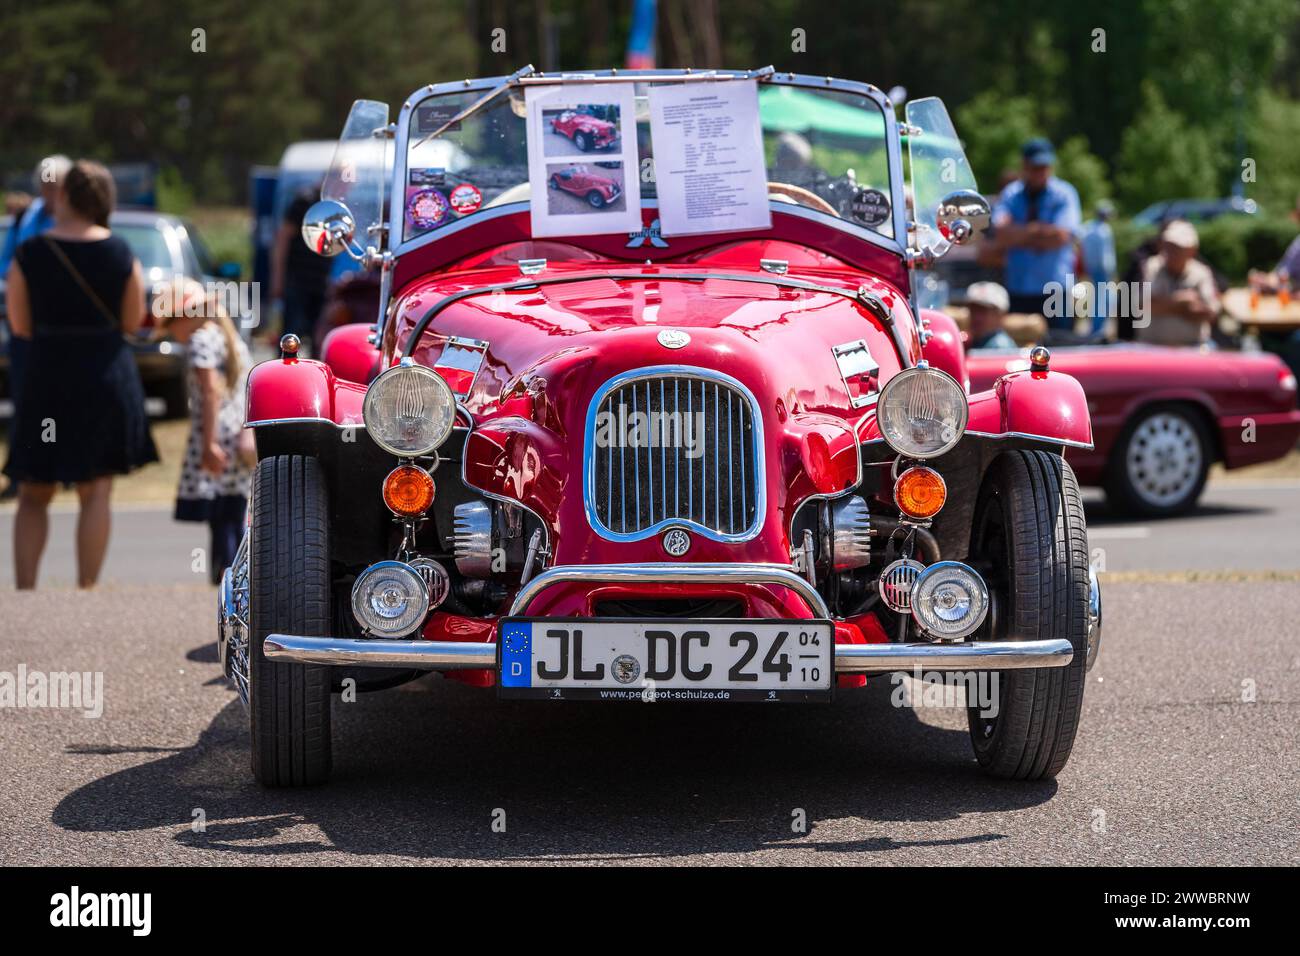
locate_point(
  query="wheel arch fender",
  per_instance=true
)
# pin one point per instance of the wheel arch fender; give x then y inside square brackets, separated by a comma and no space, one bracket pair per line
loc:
[943,347]
[1036,404]
[292,389]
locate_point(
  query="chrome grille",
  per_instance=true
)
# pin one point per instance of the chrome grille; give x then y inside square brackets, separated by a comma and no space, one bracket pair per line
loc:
[677,447]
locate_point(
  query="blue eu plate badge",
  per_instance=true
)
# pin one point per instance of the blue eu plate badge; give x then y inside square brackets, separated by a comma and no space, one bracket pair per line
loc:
[517,654]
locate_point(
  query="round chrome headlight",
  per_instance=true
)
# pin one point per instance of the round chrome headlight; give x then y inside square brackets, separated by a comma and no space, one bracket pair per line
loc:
[390,599]
[409,410]
[949,600]
[922,412]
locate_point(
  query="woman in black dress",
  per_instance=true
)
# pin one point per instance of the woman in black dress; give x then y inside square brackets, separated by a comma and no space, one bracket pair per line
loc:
[75,292]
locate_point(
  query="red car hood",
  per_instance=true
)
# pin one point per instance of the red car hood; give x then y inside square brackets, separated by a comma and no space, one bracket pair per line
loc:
[550,348]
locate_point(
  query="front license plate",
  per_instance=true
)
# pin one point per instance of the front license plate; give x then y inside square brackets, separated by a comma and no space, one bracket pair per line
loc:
[620,659]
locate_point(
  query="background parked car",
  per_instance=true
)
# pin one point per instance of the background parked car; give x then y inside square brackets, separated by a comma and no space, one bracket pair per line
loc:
[1195,210]
[167,246]
[1161,416]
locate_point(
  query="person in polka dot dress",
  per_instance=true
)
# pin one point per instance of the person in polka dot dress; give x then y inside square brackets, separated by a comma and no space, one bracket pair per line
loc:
[216,475]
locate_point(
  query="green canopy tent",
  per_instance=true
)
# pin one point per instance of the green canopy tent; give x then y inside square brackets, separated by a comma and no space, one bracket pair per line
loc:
[788,109]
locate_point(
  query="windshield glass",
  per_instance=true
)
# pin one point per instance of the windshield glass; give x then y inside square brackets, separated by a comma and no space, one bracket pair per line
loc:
[939,167]
[824,150]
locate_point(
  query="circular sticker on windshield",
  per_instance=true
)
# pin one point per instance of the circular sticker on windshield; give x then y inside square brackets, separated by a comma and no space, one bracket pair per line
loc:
[426,208]
[465,199]
[869,207]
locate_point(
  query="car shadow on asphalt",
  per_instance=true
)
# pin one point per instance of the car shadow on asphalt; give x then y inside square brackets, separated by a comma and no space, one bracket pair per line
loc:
[425,771]
[1099,514]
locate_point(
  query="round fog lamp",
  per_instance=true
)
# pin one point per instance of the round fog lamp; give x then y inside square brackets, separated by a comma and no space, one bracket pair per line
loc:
[949,600]
[408,491]
[390,599]
[920,492]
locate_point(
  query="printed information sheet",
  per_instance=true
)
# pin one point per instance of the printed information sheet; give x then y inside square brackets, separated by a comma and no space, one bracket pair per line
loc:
[708,151]
[582,159]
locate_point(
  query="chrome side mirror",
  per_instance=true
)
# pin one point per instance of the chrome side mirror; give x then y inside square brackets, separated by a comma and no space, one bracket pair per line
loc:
[328,228]
[961,214]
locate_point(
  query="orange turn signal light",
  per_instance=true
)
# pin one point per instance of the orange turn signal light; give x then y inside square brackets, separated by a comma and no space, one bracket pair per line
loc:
[920,492]
[408,491]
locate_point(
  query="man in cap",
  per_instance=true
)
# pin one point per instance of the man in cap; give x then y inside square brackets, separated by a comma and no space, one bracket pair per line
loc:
[1183,296]
[988,303]
[1037,221]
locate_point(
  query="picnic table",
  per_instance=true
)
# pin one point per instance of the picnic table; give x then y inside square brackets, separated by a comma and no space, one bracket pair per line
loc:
[1268,315]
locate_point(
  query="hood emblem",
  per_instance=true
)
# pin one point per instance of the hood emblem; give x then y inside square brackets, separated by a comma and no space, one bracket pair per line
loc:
[673,338]
[650,234]
[677,542]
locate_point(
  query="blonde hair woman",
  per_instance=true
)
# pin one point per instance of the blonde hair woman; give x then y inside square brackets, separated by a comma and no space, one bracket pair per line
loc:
[216,474]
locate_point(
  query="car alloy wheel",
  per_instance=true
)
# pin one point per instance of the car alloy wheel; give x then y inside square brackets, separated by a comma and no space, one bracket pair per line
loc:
[1164,459]
[596,199]
[580,139]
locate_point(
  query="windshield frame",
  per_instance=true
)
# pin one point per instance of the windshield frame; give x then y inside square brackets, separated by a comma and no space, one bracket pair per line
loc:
[897,244]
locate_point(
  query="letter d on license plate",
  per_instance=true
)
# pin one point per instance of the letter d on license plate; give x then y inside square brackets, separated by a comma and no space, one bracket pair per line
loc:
[620,659]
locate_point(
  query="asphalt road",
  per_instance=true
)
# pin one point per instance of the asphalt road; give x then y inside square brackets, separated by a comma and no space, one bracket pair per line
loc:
[1189,751]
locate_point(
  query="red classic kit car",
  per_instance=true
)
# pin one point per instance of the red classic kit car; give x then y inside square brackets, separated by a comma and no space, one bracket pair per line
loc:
[587,132]
[583,181]
[660,465]
[1161,416]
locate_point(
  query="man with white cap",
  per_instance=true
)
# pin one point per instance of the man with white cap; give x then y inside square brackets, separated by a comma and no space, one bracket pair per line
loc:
[1183,297]
[988,303]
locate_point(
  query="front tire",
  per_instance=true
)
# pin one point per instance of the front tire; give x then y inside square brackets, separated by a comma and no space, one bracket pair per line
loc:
[1030,528]
[289,704]
[595,199]
[1159,465]
[582,142]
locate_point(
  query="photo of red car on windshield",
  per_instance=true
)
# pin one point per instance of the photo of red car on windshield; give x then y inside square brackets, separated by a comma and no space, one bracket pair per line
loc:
[587,127]
[580,187]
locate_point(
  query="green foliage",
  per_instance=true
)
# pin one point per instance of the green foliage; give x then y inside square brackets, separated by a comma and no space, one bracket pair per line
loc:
[1077,165]
[1273,141]
[1231,244]
[173,195]
[122,80]
[1162,156]
[993,128]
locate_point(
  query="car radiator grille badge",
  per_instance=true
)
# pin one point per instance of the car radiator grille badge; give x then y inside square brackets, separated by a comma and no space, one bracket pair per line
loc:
[896,584]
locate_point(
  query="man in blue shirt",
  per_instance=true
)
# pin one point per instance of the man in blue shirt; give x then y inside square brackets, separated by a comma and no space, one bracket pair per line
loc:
[1037,221]
[1097,249]
[40,214]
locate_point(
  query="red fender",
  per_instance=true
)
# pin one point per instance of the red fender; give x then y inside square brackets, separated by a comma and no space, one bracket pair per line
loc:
[348,352]
[291,388]
[1045,404]
[943,350]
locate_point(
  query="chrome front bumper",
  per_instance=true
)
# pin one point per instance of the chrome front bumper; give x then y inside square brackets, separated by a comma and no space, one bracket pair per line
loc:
[849,658]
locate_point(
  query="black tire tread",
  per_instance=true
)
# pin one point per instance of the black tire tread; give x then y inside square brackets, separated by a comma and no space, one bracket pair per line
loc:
[1040,708]
[289,704]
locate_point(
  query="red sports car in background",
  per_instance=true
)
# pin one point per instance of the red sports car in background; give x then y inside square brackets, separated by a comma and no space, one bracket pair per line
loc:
[582,181]
[1161,416]
[587,132]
